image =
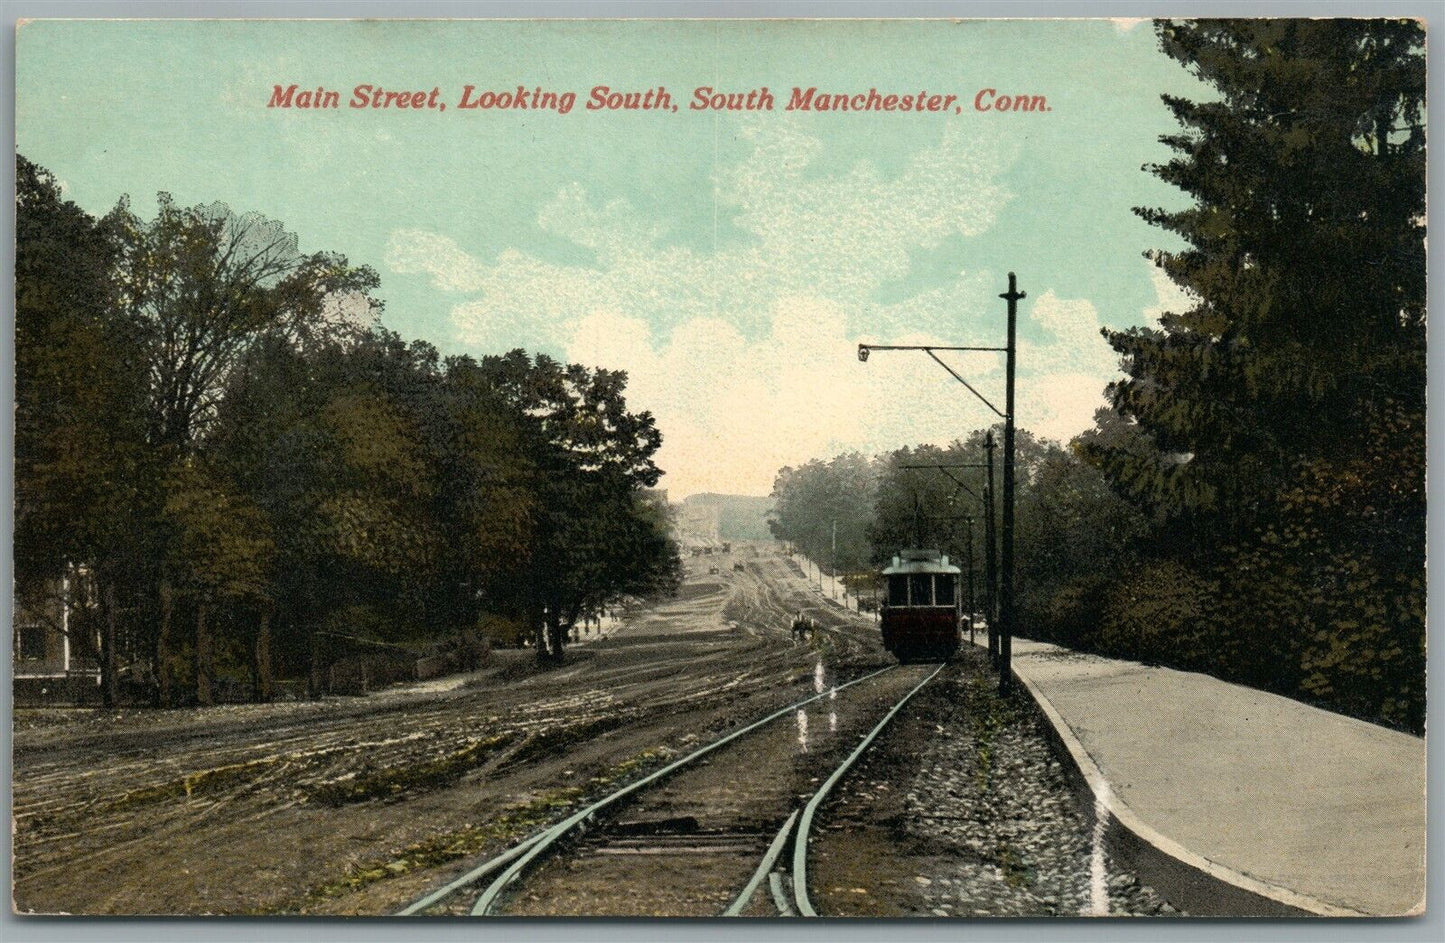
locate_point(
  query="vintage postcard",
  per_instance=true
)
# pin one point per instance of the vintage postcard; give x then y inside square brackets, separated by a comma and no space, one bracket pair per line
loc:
[683,468]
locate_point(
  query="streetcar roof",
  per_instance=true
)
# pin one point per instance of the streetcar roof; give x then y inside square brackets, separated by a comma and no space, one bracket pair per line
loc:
[920,561]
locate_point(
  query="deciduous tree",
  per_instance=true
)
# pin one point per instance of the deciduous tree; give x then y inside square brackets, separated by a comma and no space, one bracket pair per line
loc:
[85,484]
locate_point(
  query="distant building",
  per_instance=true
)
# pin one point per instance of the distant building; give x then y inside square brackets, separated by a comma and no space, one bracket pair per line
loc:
[717,517]
[697,523]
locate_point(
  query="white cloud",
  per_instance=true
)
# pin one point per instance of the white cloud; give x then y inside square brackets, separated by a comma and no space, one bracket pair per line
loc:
[734,410]
[838,237]
[414,251]
[1062,380]
[745,352]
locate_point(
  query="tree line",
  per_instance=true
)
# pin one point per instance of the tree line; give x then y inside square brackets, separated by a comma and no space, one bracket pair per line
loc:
[217,428]
[1252,502]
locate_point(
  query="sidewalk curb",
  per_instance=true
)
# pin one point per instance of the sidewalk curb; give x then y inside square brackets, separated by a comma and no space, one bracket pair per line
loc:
[1188,880]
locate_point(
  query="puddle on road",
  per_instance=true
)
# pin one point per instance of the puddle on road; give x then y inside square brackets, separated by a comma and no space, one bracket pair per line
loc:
[1098,905]
[803,729]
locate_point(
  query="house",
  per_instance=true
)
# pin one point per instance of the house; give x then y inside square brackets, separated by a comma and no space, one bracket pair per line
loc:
[54,643]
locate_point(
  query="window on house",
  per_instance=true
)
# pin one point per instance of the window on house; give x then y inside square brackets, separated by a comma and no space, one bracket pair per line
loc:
[30,641]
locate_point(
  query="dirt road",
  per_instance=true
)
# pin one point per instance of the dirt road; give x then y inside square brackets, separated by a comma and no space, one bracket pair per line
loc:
[358,805]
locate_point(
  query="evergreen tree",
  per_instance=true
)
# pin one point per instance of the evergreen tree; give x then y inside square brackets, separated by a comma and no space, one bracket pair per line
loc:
[1276,426]
[1304,257]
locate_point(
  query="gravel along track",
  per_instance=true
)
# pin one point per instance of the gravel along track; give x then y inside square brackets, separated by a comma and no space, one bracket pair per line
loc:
[359,805]
[962,809]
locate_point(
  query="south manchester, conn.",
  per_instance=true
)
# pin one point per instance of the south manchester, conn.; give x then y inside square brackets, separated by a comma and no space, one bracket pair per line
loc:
[704,98]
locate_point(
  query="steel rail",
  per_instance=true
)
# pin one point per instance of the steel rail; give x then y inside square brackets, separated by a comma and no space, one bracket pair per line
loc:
[765,868]
[800,841]
[780,897]
[550,836]
[471,877]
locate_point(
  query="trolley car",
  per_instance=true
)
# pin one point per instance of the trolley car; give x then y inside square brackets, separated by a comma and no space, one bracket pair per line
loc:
[921,614]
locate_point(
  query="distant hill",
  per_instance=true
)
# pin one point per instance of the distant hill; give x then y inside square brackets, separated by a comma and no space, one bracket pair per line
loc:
[711,517]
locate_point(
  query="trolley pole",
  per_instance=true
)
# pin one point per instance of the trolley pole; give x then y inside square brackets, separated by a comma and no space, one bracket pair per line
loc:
[1002,583]
[1006,604]
[990,539]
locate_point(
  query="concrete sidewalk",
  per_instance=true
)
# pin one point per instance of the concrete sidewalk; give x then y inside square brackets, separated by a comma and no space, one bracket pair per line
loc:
[1263,804]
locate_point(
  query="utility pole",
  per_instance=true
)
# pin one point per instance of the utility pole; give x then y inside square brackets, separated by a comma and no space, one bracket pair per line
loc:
[968,542]
[1003,603]
[834,564]
[1006,604]
[990,539]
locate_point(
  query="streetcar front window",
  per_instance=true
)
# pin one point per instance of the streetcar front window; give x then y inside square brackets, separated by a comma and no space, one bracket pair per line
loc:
[920,589]
[943,589]
[897,590]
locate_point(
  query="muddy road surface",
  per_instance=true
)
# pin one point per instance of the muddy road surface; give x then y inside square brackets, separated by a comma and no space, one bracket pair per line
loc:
[359,805]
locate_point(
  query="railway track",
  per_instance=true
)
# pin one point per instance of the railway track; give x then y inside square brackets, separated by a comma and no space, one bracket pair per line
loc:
[375,790]
[695,833]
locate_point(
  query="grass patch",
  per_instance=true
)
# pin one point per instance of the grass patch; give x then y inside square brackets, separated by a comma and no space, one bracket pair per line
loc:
[196,784]
[1016,871]
[413,777]
[548,742]
[988,714]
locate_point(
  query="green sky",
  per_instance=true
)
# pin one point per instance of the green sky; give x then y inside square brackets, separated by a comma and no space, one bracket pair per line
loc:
[730,262]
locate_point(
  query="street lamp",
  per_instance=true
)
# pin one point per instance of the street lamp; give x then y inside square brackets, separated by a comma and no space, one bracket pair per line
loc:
[864,349]
[1010,349]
